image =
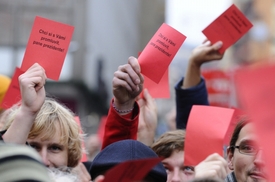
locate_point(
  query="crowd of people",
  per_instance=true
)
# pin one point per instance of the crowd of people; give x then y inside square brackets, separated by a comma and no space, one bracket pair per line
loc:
[49,127]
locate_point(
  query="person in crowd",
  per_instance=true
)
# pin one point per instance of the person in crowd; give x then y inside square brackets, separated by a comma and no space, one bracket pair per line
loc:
[44,124]
[245,155]
[170,147]
[191,90]
[123,116]
[21,163]
[125,150]
[124,111]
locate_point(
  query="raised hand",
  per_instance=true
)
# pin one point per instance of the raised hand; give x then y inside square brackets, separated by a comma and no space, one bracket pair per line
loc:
[201,54]
[32,88]
[33,96]
[127,84]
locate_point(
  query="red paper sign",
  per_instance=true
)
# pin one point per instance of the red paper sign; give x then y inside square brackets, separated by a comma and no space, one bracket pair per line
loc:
[219,87]
[48,45]
[84,155]
[158,90]
[205,132]
[133,170]
[13,94]
[159,52]
[229,27]
[255,90]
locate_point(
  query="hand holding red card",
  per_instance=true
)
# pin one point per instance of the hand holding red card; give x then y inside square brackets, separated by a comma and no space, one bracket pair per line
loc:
[229,27]
[159,52]
[48,45]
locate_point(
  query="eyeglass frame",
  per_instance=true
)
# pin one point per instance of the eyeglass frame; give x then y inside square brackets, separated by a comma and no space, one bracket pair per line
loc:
[241,152]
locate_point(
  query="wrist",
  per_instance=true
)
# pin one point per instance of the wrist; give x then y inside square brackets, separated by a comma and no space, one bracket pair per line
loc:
[195,64]
[26,112]
[123,108]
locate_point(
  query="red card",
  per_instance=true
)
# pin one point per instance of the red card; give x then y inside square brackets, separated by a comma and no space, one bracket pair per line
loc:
[229,27]
[158,90]
[255,90]
[48,45]
[13,94]
[159,52]
[219,86]
[205,132]
[84,155]
[133,170]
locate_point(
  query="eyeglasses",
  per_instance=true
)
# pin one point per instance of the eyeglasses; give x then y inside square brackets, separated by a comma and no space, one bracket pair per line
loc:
[247,149]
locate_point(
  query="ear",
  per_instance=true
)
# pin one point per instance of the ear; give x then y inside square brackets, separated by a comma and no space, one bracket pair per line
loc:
[230,159]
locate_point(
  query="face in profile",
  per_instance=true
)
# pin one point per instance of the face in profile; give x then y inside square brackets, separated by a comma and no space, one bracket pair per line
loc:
[248,165]
[176,171]
[53,152]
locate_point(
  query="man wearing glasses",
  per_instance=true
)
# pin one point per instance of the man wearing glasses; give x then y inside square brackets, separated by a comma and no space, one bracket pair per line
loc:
[245,157]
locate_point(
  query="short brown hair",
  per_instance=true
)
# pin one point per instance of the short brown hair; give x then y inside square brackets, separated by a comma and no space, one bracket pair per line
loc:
[169,142]
[243,121]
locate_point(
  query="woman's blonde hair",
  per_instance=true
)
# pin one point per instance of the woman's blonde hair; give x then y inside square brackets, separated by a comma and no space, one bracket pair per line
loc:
[51,117]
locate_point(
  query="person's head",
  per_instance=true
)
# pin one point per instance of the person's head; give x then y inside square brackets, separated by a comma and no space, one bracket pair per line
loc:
[123,151]
[55,134]
[21,163]
[4,85]
[244,154]
[170,147]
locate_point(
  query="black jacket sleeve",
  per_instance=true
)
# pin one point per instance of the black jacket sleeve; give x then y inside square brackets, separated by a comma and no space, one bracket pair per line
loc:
[186,98]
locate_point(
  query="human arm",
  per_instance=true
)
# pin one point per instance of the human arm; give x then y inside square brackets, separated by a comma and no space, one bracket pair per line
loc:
[192,89]
[148,119]
[202,54]
[127,85]
[33,95]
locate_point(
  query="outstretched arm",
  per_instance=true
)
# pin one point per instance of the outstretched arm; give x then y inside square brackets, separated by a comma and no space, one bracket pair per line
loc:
[33,95]
[122,119]
[202,54]
[192,90]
